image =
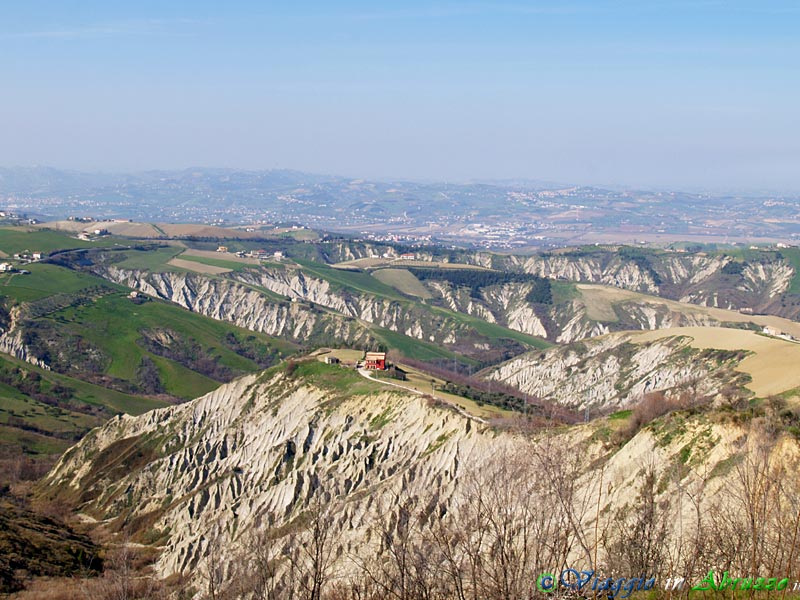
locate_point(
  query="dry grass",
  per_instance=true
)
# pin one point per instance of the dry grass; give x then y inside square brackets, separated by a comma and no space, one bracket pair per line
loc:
[198,267]
[375,263]
[773,364]
[421,382]
[226,256]
[344,355]
[601,298]
[138,230]
[72,226]
[209,231]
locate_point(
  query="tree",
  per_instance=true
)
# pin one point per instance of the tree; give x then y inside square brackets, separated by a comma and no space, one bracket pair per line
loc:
[310,553]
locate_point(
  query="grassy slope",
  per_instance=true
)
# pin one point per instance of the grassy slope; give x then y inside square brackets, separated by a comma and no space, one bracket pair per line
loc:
[151,260]
[404,281]
[414,348]
[365,283]
[58,425]
[15,240]
[792,255]
[217,262]
[113,323]
[45,280]
[355,280]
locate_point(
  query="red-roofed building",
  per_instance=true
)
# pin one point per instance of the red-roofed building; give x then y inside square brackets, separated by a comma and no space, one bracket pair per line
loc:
[375,361]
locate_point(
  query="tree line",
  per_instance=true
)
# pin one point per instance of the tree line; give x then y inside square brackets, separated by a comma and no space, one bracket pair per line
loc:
[477,279]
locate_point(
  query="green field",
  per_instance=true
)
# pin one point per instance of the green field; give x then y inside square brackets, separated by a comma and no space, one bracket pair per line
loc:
[154,260]
[356,280]
[51,429]
[403,281]
[563,291]
[75,315]
[792,256]
[332,377]
[45,280]
[217,262]
[114,324]
[15,240]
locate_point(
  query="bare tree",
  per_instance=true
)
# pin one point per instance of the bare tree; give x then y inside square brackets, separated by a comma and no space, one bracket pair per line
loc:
[638,540]
[311,552]
[215,568]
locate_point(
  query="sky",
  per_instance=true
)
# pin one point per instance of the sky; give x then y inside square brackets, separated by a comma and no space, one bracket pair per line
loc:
[679,94]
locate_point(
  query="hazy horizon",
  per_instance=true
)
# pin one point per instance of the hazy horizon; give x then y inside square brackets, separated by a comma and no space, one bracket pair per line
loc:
[509,182]
[672,95]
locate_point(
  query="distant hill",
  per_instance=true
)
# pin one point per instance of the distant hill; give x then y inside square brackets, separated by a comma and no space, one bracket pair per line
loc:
[514,214]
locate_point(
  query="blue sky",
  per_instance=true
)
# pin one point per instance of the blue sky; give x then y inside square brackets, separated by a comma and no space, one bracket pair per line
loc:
[671,94]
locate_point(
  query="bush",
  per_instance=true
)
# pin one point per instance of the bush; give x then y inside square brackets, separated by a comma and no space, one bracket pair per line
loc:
[148,378]
[653,405]
[733,268]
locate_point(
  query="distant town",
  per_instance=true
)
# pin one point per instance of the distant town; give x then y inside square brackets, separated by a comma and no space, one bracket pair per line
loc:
[478,215]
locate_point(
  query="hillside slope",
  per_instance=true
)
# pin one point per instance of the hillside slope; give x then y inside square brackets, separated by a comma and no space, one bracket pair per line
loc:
[314,455]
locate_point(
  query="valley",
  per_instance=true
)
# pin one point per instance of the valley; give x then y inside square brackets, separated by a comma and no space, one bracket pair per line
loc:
[176,393]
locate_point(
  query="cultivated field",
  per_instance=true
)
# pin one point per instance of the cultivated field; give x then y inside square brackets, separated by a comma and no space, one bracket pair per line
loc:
[22,239]
[362,263]
[155,261]
[198,267]
[200,230]
[226,256]
[404,281]
[377,263]
[599,301]
[123,228]
[161,230]
[774,364]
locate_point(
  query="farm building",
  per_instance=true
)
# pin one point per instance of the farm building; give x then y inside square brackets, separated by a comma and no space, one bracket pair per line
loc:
[332,360]
[375,361]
